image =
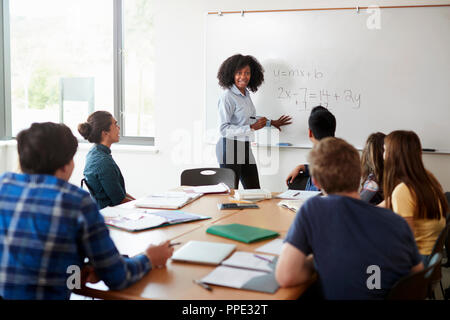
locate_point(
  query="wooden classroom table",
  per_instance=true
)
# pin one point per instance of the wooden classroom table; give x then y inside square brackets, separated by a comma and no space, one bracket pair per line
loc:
[133,243]
[175,281]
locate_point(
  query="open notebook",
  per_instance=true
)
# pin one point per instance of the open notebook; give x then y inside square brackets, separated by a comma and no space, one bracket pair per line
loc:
[210,189]
[292,205]
[167,200]
[140,219]
[246,270]
[298,194]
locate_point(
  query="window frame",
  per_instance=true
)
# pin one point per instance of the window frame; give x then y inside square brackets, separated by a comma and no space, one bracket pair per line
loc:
[118,74]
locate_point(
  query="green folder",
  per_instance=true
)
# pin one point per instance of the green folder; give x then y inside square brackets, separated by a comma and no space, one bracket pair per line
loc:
[242,232]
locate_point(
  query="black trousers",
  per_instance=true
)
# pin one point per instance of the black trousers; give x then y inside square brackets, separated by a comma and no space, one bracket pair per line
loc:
[238,156]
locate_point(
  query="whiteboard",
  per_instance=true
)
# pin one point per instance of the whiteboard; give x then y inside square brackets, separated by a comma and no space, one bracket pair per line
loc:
[391,78]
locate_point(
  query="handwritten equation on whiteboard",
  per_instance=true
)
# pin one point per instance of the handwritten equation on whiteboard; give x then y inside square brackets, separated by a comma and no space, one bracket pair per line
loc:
[307,97]
[304,97]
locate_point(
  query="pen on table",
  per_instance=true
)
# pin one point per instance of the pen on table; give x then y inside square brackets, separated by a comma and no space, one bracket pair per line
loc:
[262,258]
[203,285]
[296,194]
[429,150]
[174,244]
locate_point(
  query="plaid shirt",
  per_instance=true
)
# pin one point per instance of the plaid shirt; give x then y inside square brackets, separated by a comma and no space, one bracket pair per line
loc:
[47,225]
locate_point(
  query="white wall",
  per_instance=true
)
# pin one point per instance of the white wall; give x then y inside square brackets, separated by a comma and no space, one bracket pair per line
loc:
[180,96]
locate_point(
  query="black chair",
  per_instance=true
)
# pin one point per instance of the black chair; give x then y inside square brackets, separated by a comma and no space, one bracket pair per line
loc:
[299,182]
[438,248]
[447,244]
[83,181]
[415,286]
[208,176]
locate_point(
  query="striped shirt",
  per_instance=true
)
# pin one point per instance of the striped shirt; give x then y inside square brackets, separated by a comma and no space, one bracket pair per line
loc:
[104,177]
[48,225]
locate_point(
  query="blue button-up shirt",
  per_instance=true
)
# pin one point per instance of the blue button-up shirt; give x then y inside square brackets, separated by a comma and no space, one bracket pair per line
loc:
[47,225]
[104,177]
[235,110]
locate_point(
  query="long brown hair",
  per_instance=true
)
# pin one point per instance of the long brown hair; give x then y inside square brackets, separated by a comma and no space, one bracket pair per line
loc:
[403,163]
[372,158]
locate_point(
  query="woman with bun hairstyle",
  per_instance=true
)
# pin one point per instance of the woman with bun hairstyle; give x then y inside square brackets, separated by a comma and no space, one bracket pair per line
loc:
[101,172]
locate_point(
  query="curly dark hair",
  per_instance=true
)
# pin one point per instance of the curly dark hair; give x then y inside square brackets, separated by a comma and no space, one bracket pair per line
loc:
[234,63]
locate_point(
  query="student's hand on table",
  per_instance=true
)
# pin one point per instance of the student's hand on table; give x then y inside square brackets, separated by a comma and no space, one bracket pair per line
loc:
[282,121]
[88,275]
[159,254]
[294,173]
[260,123]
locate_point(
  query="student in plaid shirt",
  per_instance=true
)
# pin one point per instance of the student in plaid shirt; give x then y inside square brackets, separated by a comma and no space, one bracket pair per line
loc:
[48,225]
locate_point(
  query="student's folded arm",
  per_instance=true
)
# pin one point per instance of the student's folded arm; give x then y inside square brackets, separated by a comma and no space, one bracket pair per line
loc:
[115,270]
[110,182]
[294,267]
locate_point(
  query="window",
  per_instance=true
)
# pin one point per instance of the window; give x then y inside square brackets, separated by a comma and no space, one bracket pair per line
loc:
[138,107]
[70,58]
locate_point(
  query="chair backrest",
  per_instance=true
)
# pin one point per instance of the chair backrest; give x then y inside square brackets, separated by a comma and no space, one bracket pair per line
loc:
[299,182]
[83,181]
[440,241]
[438,248]
[447,244]
[415,286]
[208,176]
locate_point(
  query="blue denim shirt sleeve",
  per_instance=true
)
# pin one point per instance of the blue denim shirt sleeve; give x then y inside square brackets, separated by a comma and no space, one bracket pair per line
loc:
[115,270]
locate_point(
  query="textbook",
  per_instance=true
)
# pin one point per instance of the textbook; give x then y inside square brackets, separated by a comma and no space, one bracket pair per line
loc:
[203,252]
[240,232]
[245,270]
[139,219]
[297,194]
[252,194]
[167,200]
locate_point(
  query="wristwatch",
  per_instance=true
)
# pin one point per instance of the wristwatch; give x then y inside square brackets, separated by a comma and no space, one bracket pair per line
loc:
[268,123]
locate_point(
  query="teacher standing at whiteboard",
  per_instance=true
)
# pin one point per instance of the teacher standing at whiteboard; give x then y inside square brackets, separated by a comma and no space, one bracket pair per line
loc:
[237,115]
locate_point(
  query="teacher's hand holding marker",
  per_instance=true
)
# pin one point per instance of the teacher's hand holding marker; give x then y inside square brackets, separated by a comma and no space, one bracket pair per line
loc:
[237,75]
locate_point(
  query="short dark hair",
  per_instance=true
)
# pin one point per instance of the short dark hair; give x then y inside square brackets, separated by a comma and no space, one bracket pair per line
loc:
[234,63]
[96,123]
[334,163]
[322,123]
[45,147]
